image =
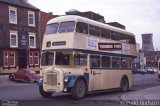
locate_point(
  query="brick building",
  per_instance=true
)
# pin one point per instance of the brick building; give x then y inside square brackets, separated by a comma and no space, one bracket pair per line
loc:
[152,58]
[19,36]
[44,18]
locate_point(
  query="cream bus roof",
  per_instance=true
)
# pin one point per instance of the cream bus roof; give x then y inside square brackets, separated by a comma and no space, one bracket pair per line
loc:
[89,21]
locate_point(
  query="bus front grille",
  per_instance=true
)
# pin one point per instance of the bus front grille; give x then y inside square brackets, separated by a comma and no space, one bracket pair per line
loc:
[52,79]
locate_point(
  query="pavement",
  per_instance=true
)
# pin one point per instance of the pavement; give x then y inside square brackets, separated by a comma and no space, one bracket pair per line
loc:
[144,97]
[152,93]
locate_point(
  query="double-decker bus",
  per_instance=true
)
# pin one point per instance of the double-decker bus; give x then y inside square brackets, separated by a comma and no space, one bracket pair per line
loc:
[80,55]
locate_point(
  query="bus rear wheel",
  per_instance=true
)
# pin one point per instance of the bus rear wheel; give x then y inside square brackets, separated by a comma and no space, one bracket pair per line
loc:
[79,90]
[43,93]
[124,84]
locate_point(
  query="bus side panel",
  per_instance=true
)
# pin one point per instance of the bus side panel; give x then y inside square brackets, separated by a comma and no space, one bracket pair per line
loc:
[112,78]
[133,50]
[117,76]
[106,78]
[80,41]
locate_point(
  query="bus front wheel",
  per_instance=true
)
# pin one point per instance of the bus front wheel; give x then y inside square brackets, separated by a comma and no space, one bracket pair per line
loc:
[124,84]
[158,75]
[79,90]
[43,93]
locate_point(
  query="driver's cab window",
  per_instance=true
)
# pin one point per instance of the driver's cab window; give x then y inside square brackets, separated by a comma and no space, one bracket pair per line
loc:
[62,59]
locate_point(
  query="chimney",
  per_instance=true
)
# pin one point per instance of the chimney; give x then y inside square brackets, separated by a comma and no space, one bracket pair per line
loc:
[147,42]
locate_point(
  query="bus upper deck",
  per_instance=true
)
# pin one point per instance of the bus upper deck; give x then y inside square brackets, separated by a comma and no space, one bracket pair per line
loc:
[75,32]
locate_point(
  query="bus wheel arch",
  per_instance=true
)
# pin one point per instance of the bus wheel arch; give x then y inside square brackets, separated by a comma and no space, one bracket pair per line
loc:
[124,84]
[79,89]
[158,75]
[44,93]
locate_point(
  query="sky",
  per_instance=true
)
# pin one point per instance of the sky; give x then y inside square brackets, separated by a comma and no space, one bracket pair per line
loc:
[139,16]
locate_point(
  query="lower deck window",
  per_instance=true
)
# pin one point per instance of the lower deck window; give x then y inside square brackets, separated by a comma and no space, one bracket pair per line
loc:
[125,63]
[80,60]
[95,61]
[116,62]
[106,62]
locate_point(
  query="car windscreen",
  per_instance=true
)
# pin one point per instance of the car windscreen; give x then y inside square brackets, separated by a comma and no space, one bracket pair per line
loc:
[47,59]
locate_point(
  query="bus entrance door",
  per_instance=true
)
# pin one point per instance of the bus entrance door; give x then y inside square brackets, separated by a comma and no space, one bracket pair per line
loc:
[95,79]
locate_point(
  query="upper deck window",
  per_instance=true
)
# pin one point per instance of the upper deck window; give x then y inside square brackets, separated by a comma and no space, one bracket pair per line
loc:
[105,33]
[66,27]
[115,35]
[82,27]
[51,28]
[127,38]
[94,30]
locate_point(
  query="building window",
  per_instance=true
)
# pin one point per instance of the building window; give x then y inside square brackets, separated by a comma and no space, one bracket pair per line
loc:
[13,39]
[33,58]
[9,59]
[31,18]
[36,58]
[32,41]
[12,15]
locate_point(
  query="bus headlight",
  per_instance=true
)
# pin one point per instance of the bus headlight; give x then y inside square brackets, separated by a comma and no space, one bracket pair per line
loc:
[40,81]
[66,79]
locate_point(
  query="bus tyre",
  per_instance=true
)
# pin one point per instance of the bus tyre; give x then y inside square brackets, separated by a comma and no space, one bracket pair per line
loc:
[79,90]
[158,75]
[43,93]
[124,84]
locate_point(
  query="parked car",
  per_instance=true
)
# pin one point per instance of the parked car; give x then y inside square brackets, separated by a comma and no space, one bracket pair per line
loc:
[24,75]
[150,70]
[155,70]
[134,71]
[141,71]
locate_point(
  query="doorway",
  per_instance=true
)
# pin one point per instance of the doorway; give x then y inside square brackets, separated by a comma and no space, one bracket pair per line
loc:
[22,59]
